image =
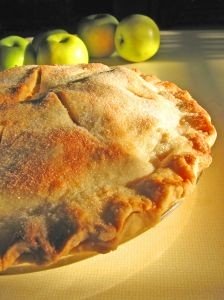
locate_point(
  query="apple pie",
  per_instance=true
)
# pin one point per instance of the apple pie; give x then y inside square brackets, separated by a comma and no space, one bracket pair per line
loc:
[91,156]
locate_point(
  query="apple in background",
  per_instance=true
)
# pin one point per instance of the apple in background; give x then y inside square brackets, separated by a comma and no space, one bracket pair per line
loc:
[137,38]
[97,31]
[15,51]
[62,48]
[43,35]
[29,55]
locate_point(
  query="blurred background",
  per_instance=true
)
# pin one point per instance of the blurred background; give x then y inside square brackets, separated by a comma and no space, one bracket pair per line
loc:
[28,17]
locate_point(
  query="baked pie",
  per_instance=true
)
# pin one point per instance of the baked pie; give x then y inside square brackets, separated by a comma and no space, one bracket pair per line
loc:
[90,156]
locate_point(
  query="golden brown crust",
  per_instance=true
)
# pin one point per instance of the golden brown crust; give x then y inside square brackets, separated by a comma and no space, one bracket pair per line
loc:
[18,85]
[89,157]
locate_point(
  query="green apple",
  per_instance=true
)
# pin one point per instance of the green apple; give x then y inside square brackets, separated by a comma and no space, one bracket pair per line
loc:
[62,48]
[29,55]
[97,31]
[15,51]
[137,38]
[43,35]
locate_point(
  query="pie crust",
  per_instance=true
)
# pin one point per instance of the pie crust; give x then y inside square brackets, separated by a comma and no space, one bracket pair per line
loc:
[90,156]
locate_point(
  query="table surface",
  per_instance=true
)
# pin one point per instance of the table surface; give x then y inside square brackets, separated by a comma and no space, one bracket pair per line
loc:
[183,256]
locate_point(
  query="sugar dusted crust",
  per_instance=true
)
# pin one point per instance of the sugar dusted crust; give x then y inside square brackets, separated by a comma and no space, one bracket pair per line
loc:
[90,156]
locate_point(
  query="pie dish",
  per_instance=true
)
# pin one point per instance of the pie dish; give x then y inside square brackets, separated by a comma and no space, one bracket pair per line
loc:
[91,156]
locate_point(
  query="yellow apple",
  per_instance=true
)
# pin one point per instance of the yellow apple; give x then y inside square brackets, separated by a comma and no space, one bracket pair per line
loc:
[43,35]
[137,38]
[15,51]
[97,31]
[62,48]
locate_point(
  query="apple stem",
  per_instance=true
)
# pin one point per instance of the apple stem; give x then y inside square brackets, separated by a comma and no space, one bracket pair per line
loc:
[121,40]
[64,40]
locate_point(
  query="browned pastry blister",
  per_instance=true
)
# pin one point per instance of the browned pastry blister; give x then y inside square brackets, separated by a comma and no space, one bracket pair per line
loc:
[90,156]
